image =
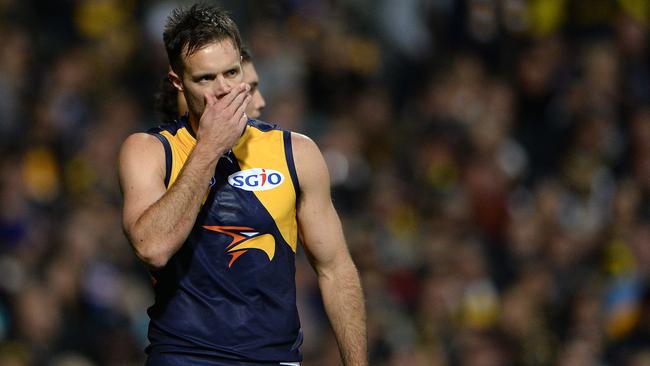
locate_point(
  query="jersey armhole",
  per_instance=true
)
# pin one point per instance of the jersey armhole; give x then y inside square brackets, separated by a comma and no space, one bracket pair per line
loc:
[288,150]
[168,156]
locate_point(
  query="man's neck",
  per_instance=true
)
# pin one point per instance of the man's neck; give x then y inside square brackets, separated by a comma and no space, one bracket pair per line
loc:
[194,122]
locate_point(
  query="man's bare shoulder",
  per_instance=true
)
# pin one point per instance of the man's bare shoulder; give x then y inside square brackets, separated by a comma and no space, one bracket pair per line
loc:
[310,164]
[141,141]
[303,145]
[141,151]
[140,146]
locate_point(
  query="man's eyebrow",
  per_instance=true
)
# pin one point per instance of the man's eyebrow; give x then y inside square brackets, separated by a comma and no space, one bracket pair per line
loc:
[202,74]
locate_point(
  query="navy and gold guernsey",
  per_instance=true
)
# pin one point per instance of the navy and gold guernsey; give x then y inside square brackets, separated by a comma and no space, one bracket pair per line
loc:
[228,295]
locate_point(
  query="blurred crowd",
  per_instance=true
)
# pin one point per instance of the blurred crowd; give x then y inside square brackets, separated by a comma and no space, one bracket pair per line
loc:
[490,160]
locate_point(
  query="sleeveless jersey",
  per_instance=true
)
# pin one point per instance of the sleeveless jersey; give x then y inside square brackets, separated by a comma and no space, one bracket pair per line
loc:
[229,292]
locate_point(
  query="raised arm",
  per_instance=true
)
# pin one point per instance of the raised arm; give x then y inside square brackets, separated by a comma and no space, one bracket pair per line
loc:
[157,221]
[323,239]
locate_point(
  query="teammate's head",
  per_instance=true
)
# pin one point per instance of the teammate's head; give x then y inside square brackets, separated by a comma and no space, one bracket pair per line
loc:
[257,102]
[169,103]
[188,30]
[166,102]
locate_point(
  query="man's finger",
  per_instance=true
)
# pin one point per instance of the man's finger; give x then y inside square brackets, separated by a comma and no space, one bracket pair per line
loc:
[209,98]
[242,107]
[242,121]
[237,102]
[244,118]
[232,95]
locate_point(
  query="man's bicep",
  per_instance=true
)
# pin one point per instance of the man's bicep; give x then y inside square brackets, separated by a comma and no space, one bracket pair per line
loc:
[141,171]
[320,227]
[321,235]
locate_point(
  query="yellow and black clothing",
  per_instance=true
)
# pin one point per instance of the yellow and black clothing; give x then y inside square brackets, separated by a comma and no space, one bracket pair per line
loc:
[228,295]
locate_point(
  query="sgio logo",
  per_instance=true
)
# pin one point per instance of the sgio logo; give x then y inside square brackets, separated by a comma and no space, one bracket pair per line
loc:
[256,179]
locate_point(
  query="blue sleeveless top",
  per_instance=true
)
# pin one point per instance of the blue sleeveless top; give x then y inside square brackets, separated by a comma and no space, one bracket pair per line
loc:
[229,292]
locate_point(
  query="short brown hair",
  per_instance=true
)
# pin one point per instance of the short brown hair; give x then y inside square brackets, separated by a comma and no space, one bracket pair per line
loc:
[188,30]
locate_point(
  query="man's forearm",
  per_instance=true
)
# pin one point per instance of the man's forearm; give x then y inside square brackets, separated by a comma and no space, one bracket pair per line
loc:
[163,227]
[344,304]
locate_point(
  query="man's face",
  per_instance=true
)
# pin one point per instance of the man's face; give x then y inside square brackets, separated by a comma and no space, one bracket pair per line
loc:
[257,102]
[214,69]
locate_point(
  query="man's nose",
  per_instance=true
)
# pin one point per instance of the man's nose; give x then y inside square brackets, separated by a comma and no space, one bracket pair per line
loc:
[221,87]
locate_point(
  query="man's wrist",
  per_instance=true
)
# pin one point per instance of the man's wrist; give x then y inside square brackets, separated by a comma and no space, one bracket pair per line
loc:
[207,152]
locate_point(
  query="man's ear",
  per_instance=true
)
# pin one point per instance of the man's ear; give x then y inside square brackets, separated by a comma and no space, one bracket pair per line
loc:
[175,80]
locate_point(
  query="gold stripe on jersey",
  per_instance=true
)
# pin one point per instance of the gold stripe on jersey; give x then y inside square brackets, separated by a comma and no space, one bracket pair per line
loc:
[182,144]
[280,201]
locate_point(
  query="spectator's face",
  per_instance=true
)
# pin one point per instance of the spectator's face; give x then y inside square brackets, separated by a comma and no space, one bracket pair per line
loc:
[257,103]
[212,70]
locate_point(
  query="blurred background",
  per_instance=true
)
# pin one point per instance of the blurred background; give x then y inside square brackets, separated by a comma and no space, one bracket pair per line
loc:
[490,160]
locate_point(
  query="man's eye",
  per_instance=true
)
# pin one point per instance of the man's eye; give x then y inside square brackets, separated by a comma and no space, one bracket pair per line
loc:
[232,72]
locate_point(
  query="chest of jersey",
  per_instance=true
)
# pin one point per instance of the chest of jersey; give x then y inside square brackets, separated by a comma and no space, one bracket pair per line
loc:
[251,202]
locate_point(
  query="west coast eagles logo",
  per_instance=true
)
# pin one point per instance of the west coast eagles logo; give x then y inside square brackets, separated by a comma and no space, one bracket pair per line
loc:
[245,239]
